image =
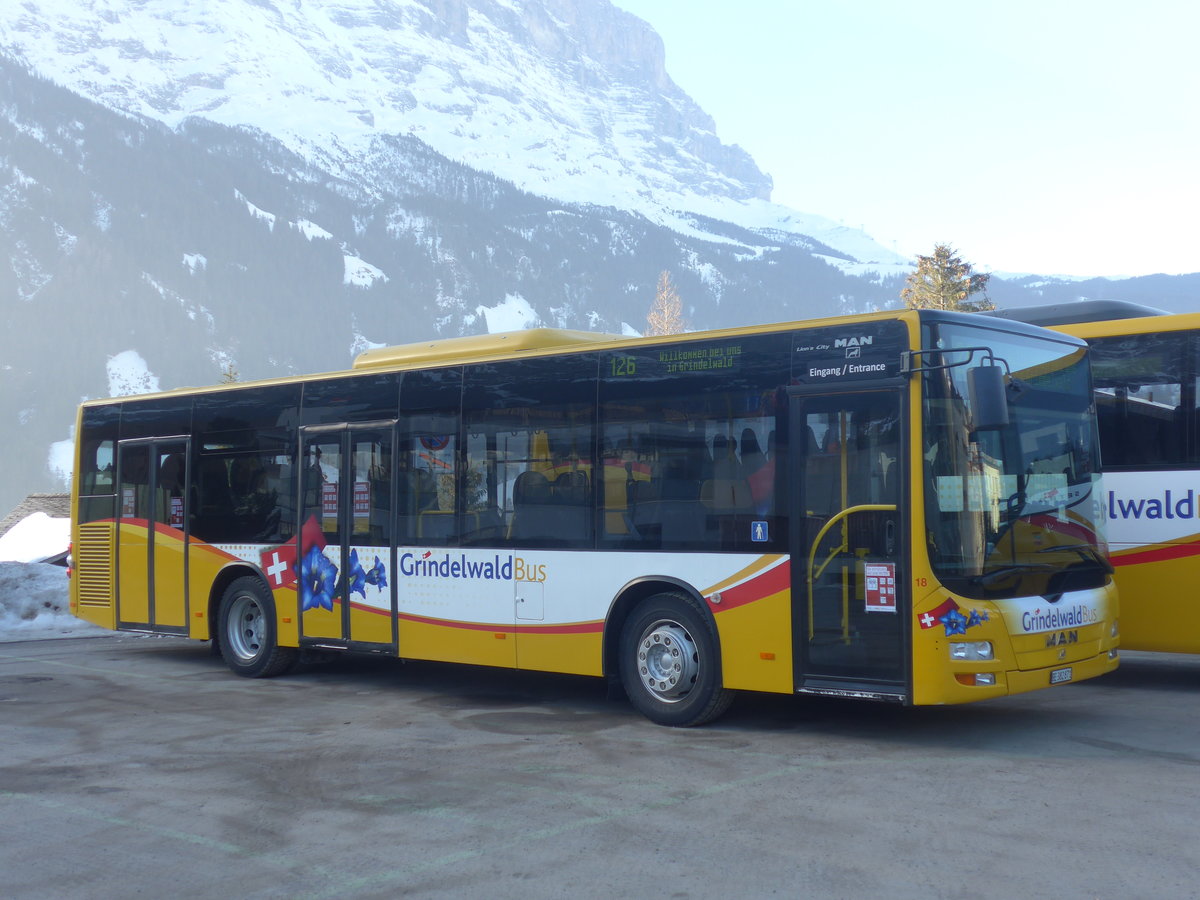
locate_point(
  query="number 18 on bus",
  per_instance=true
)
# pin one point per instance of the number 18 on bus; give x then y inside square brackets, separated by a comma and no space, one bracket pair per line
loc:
[902,506]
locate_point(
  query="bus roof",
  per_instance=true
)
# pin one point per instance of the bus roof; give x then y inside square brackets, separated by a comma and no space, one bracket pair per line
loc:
[546,341]
[1076,312]
[450,349]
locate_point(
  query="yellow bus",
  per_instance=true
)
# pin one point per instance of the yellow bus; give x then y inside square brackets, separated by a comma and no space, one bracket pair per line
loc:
[1145,365]
[899,506]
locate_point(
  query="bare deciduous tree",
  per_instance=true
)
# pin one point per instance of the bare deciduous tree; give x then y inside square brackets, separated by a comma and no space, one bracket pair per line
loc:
[666,313]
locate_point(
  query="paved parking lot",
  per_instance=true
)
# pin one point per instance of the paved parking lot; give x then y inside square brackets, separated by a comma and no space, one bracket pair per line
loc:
[136,766]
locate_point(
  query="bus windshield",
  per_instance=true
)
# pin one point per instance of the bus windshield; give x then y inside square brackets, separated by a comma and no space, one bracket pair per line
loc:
[1016,510]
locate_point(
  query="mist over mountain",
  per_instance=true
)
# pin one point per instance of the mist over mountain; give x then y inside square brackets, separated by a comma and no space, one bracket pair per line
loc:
[272,187]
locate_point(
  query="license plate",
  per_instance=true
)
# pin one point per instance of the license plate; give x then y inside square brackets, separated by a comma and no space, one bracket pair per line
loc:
[1058,676]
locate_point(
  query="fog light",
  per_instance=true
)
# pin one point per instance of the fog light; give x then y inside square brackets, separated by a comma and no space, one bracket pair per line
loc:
[971,650]
[1115,630]
[1113,653]
[985,678]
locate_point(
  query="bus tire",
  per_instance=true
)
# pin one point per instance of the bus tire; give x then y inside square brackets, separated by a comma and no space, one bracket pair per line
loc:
[669,663]
[247,631]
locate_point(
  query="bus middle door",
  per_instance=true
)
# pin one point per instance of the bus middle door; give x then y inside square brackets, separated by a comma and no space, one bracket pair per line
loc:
[346,591]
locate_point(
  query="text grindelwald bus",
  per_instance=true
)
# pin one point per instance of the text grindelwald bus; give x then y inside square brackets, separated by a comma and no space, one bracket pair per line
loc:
[1146,367]
[900,506]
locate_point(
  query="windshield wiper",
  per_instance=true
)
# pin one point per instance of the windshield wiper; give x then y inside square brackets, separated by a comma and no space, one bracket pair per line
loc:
[990,578]
[1087,551]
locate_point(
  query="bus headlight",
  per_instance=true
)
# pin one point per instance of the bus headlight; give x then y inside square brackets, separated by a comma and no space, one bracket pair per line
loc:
[971,650]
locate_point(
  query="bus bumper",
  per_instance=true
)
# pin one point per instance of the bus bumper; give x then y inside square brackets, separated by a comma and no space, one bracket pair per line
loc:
[1053,676]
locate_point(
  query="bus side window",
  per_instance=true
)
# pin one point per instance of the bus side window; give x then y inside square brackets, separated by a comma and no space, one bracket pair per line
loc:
[530,427]
[135,483]
[1142,399]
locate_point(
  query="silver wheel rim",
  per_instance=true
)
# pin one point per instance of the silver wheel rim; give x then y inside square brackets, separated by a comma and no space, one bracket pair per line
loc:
[668,661]
[246,627]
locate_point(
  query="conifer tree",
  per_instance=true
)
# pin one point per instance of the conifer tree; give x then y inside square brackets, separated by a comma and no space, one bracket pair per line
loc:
[944,281]
[666,313]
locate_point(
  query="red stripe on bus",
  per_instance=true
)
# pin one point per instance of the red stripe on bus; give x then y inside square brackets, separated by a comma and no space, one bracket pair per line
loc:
[569,628]
[764,584]
[1158,554]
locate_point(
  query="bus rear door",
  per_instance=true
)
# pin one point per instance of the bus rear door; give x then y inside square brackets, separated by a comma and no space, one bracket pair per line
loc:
[151,542]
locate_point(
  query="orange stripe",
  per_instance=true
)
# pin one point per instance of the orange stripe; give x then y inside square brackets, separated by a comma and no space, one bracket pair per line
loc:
[569,628]
[745,574]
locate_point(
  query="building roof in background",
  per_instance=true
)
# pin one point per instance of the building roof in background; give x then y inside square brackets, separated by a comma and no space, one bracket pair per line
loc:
[56,506]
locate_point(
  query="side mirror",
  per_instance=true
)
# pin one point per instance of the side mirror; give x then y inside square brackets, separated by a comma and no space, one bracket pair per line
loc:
[989,402]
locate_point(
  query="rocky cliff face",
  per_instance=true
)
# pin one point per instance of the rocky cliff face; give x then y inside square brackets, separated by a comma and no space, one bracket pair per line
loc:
[567,98]
[134,254]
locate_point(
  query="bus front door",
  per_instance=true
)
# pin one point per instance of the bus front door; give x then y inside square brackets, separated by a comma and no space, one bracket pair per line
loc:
[847,546]
[151,541]
[346,589]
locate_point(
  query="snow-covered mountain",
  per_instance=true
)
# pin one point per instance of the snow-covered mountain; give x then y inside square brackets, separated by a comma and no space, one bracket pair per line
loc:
[265,187]
[567,99]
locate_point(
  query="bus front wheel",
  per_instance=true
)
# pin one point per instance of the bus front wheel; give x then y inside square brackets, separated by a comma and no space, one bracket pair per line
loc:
[247,630]
[669,662]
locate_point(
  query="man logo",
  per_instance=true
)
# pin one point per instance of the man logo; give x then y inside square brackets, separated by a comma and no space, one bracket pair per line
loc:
[862,341]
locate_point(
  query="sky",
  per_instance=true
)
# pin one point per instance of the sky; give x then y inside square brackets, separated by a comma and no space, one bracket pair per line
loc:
[1047,136]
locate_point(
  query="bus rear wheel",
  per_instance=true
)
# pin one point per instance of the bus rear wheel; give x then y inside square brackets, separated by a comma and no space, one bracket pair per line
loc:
[668,656]
[247,631]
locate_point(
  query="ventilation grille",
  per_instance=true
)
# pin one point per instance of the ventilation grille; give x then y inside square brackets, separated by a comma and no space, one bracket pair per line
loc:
[94,564]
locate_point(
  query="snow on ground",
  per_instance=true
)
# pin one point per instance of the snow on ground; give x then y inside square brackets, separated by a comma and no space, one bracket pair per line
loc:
[33,604]
[34,595]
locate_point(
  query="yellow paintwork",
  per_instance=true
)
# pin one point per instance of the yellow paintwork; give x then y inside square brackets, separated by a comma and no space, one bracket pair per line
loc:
[170,596]
[1159,610]
[484,646]
[1144,325]
[370,625]
[204,566]
[133,589]
[288,620]
[551,651]
[756,645]
[320,622]
[502,345]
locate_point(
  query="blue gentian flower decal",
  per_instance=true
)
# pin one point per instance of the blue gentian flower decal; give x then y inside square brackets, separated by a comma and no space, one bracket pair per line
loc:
[377,575]
[356,577]
[955,622]
[318,580]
